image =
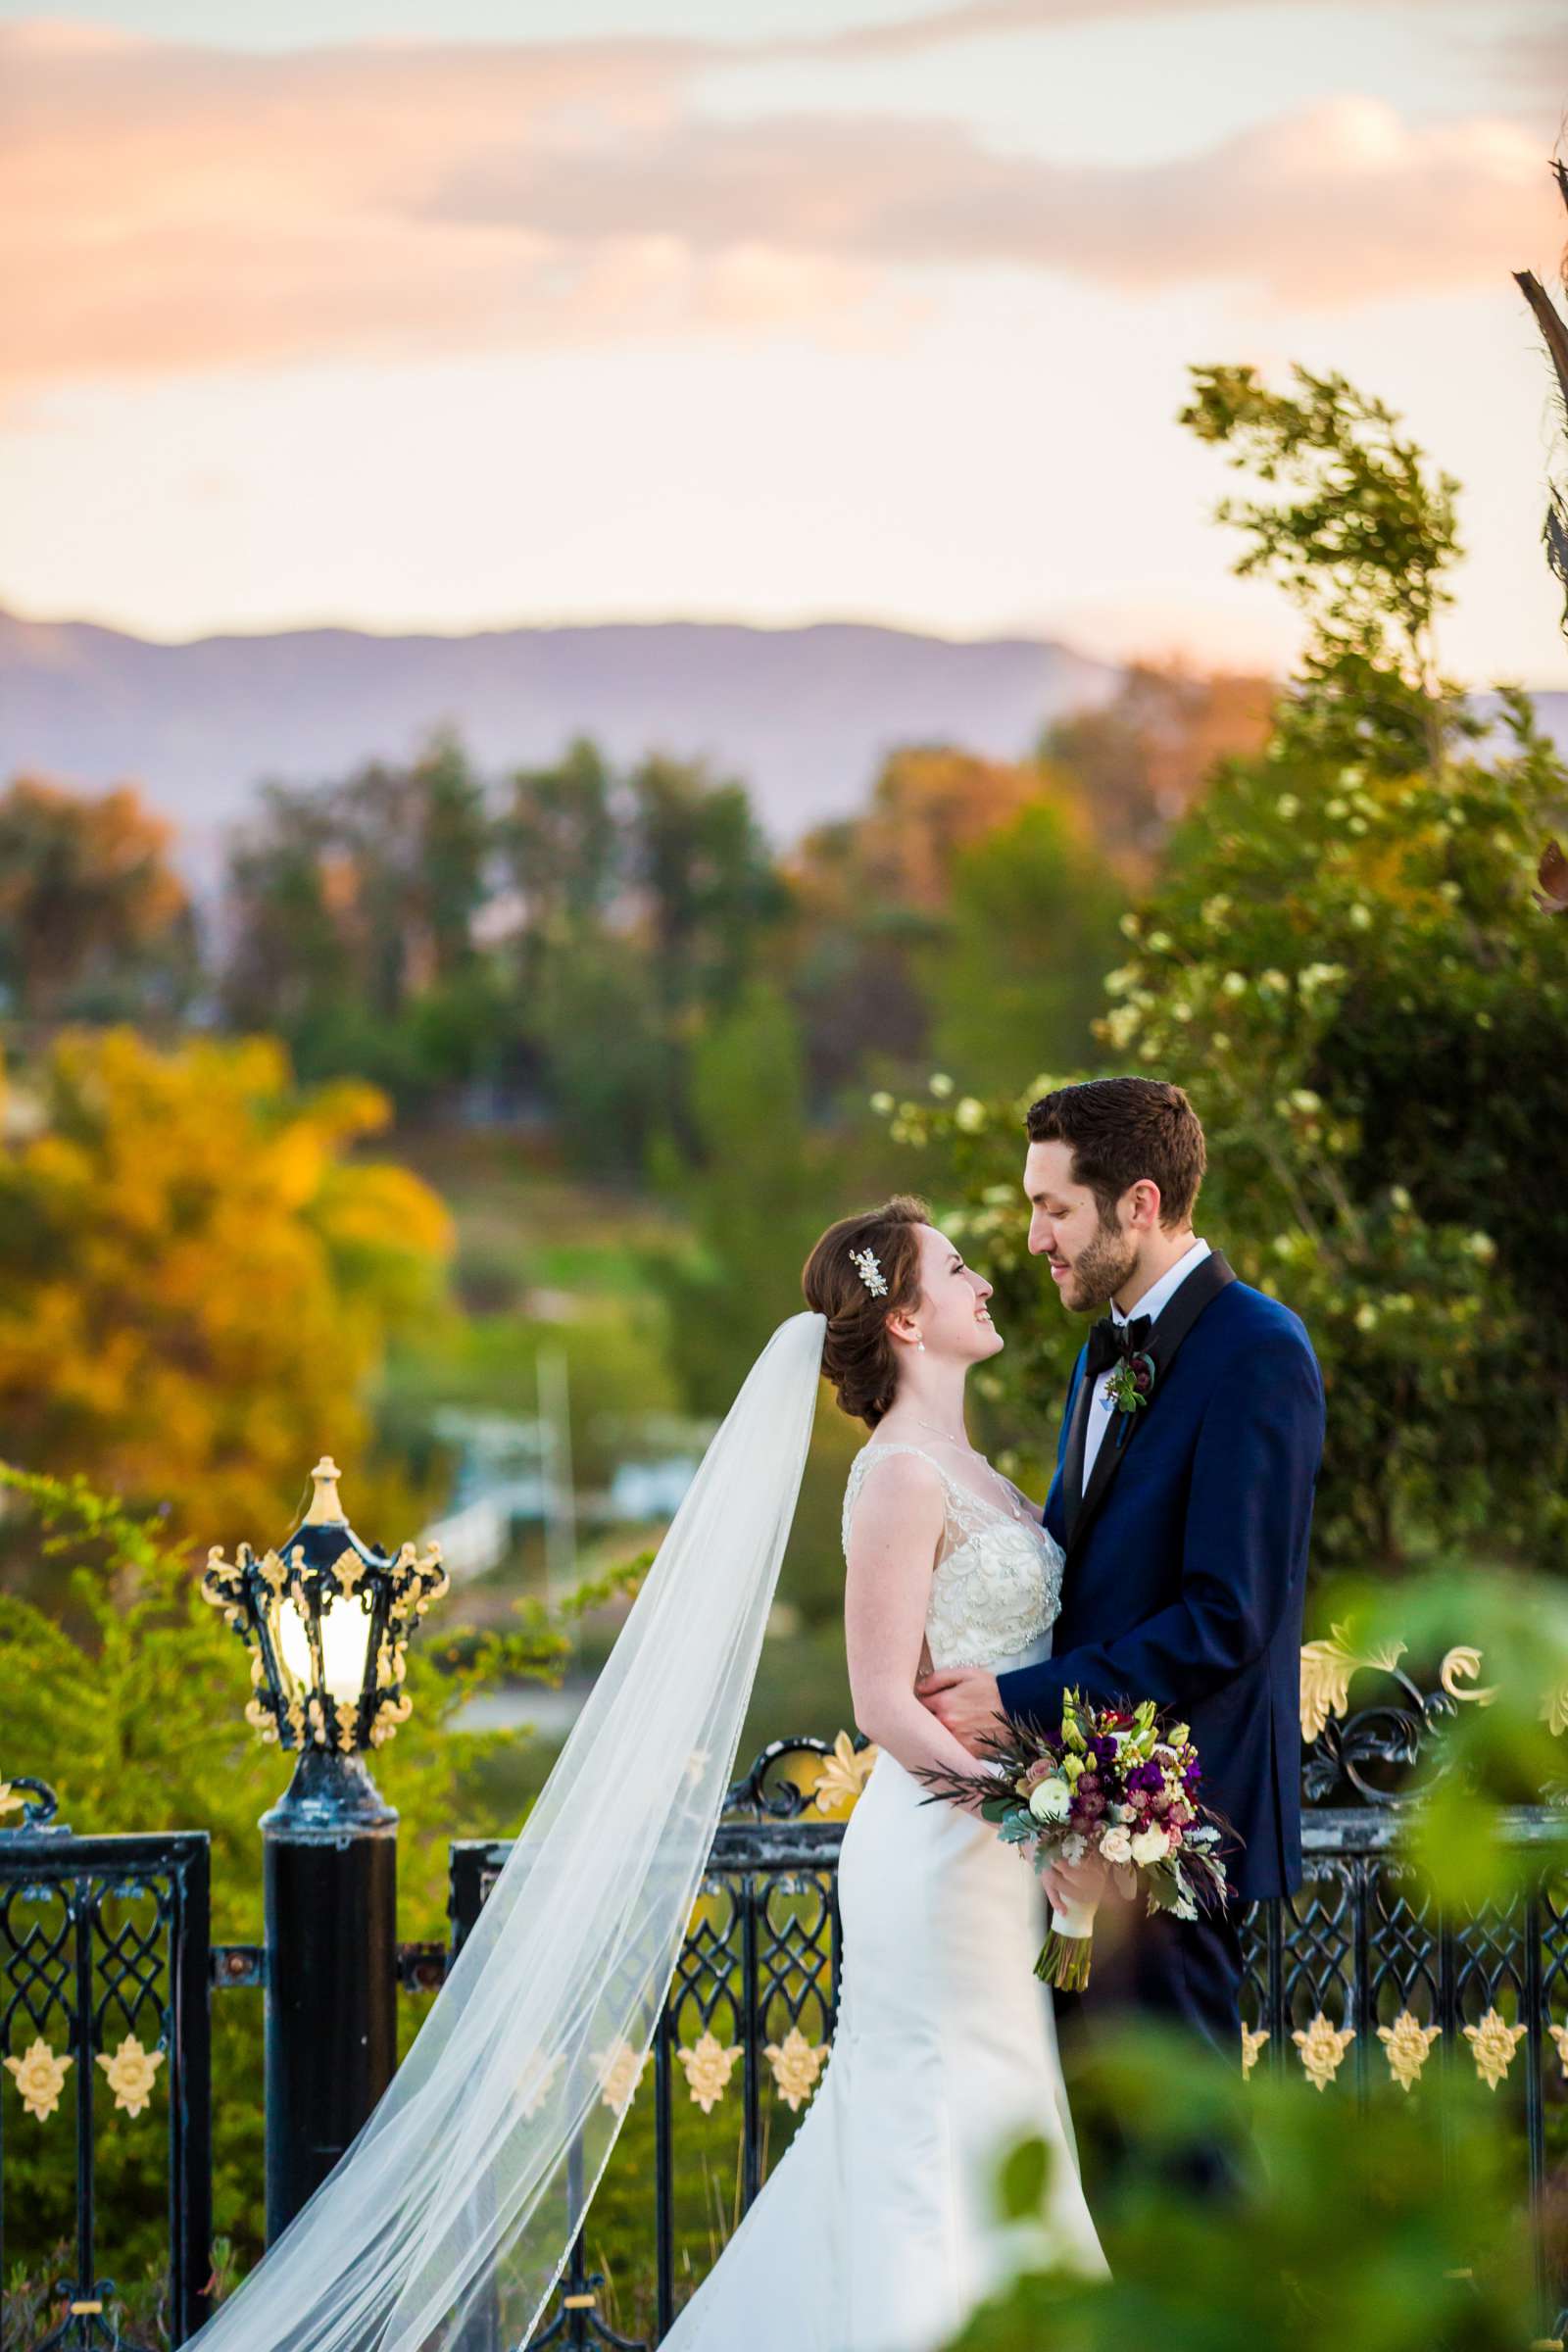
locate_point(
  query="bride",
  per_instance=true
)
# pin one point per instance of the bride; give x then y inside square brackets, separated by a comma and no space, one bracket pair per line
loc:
[945,2050]
[450,2218]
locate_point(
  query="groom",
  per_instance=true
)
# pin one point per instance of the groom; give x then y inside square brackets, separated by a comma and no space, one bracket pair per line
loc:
[1184,1519]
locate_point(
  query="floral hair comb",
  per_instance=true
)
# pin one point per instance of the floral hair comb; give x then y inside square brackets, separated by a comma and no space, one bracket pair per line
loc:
[866,1266]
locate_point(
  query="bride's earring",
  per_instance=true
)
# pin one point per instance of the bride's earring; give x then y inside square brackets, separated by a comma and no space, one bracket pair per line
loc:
[920,1343]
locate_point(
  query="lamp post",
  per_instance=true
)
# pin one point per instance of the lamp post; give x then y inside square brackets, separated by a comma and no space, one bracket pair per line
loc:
[326,1621]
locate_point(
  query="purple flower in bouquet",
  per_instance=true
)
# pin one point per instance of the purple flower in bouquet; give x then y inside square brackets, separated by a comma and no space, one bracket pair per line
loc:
[1114,1782]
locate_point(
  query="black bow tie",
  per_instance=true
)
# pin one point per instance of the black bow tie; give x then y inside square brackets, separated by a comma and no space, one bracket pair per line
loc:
[1112,1342]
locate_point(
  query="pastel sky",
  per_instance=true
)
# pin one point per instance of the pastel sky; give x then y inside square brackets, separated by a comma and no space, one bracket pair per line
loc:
[453,314]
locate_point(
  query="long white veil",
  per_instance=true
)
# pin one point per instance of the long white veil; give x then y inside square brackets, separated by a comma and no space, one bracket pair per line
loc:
[466,2186]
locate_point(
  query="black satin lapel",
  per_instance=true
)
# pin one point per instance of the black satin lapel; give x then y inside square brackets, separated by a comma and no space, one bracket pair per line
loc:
[1108,1461]
[1204,1285]
[1072,1466]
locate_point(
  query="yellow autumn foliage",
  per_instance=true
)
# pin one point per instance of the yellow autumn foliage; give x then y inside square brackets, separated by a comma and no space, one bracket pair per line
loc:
[196,1277]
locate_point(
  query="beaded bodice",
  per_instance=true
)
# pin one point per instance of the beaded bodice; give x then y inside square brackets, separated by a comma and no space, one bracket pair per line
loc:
[997,1585]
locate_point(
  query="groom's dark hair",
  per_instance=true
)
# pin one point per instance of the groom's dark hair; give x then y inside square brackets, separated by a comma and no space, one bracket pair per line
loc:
[1121,1130]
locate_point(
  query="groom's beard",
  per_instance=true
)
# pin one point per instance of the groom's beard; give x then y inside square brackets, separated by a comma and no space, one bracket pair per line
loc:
[1098,1273]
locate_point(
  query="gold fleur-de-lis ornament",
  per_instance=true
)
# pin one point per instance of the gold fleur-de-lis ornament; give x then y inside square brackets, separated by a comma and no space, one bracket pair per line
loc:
[796,2065]
[1253,2040]
[132,2073]
[1493,2042]
[348,1568]
[620,2071]
[536,2081]
[1406,2043]
[707,2067]
[1323,2047]
[40,2076]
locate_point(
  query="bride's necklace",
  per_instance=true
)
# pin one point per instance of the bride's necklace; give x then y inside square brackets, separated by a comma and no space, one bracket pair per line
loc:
[944,1434]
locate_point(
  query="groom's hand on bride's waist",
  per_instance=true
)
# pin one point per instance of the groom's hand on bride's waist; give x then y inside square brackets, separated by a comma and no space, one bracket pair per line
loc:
[965,1700]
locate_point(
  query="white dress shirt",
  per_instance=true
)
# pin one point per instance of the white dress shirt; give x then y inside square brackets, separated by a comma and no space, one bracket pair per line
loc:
[1160,1294]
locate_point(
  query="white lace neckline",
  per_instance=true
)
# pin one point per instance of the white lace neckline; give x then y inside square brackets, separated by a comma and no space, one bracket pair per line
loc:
[996,1581]
[1007,1509]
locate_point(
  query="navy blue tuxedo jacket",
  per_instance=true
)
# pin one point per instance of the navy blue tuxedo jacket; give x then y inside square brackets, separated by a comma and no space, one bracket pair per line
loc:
[1187,1564]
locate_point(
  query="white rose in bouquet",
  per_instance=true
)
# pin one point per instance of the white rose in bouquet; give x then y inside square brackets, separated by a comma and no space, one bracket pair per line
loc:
[1032,1807]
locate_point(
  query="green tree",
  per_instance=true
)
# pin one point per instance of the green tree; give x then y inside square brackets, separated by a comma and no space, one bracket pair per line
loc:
[412,844]
[1361,534]
[291,957]
[562,839]
[1031,926]
[1346,967]
[1350,972]
[647,905]
[763,1186]
[570,943]
[610,1069]
[352,910]
[753,1197]
[448,830]
[582,1029]
[94,922]
[707,881]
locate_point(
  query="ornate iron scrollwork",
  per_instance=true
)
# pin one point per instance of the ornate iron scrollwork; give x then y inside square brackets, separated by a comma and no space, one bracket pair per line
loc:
[1391,1752]
[768,1792]
[37,1813]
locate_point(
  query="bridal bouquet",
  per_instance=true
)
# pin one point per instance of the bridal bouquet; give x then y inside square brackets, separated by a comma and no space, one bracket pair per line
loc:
[1119,1784]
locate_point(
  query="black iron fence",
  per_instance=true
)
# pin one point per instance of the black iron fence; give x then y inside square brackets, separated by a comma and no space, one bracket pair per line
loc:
[1358,1981]
[754,2001]
[103,2012]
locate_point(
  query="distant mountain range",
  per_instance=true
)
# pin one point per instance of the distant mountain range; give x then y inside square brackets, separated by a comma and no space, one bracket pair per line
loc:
[803,715]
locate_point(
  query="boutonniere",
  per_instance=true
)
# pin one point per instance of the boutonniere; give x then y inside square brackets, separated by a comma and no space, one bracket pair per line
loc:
[1129,1386]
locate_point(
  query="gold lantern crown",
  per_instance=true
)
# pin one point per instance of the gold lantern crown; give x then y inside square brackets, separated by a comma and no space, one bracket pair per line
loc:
[326,1620]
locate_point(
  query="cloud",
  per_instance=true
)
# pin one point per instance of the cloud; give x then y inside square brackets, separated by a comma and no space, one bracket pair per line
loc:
[980,20]
[1340,202]
[167,209]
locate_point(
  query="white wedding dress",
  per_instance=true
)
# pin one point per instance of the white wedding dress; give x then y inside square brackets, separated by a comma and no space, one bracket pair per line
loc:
[878,2230]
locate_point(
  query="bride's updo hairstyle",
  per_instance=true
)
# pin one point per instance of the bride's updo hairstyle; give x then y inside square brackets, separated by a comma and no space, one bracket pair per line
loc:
[857,1356]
